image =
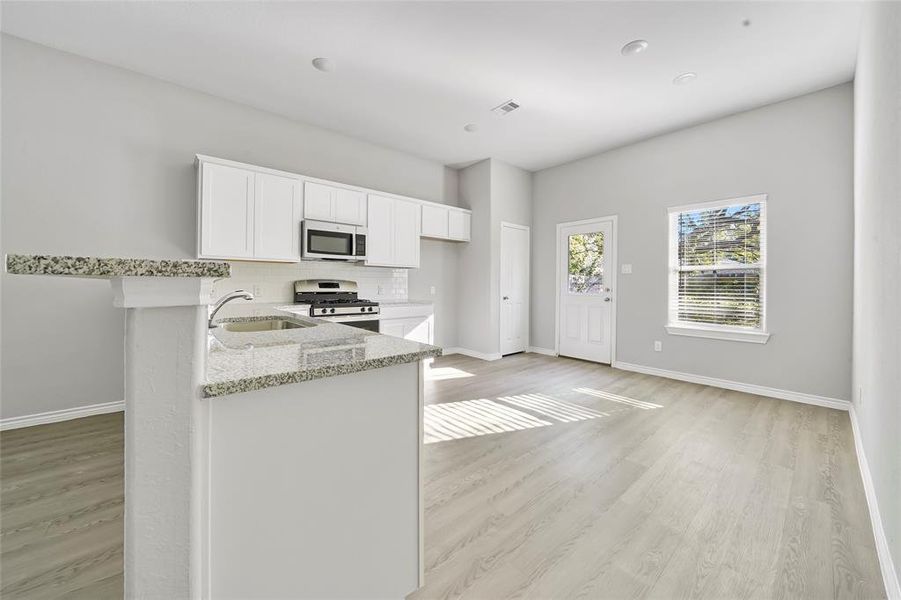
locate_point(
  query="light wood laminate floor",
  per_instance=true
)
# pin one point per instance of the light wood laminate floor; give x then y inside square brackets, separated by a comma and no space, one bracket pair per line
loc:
[545,478]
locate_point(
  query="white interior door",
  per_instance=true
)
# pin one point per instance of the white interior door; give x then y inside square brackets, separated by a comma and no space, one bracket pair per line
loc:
[514,288]
[586,290]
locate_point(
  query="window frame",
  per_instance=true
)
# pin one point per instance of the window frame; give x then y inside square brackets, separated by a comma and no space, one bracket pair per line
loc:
[674,326]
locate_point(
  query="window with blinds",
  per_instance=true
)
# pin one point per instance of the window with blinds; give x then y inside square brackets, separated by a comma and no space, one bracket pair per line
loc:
[718,262]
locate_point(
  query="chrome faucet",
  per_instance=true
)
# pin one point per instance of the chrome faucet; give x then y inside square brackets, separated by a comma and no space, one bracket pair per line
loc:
[244,295]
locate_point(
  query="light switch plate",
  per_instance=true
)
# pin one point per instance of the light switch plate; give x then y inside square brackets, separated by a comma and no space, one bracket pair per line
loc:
[658,346]
[432,290]
[626,269]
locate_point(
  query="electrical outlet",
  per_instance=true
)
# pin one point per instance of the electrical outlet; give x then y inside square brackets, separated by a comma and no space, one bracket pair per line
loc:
[658,346]
[255,290]
[626,269]
[432,290]
[381,290]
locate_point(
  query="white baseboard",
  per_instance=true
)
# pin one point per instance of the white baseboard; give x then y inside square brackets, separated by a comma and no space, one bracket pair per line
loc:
[55,416]
[883,553]
[545,351]
[749,388]
[472,353]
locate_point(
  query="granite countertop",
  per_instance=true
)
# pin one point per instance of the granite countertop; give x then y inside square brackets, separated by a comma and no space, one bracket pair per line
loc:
[106,268]
[246,361]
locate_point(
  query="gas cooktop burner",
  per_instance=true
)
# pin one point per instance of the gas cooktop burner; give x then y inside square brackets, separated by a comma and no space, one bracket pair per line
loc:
[333,298]
[354,301]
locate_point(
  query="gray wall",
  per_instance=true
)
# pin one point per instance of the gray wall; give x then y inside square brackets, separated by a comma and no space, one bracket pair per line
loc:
[800,153]
[496,192]
[98,160]
[474,270]
[877,259]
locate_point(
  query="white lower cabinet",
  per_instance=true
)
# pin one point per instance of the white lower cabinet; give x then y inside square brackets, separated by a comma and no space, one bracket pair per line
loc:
[392,327]
[393,232]
[413,321]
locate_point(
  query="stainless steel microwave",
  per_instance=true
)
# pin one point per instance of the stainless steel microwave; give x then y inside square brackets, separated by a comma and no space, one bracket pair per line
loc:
[332,241]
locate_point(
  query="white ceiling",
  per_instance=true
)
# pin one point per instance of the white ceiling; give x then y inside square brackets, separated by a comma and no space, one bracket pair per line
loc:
[410,75]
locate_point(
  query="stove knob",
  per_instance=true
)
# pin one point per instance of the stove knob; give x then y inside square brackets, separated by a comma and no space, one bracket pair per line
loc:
[362,309]
[370,309]
[332,310]
[324,310]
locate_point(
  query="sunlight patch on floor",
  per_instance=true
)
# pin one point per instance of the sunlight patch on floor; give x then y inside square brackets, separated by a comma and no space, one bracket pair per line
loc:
[565,412]
[442,373]
[470,418]
[621,399]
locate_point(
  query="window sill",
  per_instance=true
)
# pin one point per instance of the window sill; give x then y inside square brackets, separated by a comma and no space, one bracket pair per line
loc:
[734,335]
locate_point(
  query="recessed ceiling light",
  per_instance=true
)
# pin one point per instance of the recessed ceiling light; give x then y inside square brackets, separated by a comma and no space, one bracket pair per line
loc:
[470,127]
[326,65]
[634,47]
[683,78]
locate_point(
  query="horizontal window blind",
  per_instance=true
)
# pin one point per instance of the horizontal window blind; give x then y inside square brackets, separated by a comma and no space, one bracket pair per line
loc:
[717,258]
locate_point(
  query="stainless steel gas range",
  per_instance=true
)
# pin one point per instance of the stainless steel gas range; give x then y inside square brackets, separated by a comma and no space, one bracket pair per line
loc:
[337,300]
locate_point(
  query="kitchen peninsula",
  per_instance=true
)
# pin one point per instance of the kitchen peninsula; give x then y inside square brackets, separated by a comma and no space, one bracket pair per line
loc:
[264,463]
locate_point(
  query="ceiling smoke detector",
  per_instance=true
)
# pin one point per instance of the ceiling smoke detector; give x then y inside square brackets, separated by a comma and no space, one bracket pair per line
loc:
[326,65]
[634,47]
[506,108]
[684,78]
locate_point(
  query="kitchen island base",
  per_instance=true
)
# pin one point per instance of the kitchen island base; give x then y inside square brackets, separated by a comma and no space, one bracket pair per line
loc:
[314,488]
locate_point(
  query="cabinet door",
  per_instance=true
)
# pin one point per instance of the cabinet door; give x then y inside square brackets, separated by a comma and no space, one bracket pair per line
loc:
[407,223]
[380,240]
[277,218]
[434,221]
[318,201]
[226,212]
[392,327]
[459,225]
[418,330]
[350,207]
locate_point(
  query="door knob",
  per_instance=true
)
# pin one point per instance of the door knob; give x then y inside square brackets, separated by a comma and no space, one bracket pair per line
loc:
[606,299]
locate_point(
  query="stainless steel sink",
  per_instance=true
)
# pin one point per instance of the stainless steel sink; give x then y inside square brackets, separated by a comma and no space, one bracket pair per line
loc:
[265,325]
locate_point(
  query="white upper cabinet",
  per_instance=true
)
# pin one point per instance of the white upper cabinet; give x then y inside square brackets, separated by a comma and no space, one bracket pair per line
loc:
[318,201]
[435,221]
[380,231]
[350,207]
[277,215]
[407,215]
[393,232]
[334,204]
[226,212]
[459,225]
[445,222]
[248,215]
[247,212]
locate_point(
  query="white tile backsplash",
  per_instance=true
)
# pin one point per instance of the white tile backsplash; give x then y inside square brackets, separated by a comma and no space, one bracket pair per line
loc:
[274,282]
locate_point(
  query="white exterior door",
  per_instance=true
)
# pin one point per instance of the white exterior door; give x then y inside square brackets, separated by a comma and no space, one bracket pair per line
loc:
[514,289]
[586,290]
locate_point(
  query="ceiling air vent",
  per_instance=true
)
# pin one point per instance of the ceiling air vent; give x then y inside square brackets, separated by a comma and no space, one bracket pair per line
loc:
[506,108]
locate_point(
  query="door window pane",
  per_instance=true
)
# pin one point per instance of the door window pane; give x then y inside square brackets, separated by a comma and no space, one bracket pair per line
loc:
[586,263]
